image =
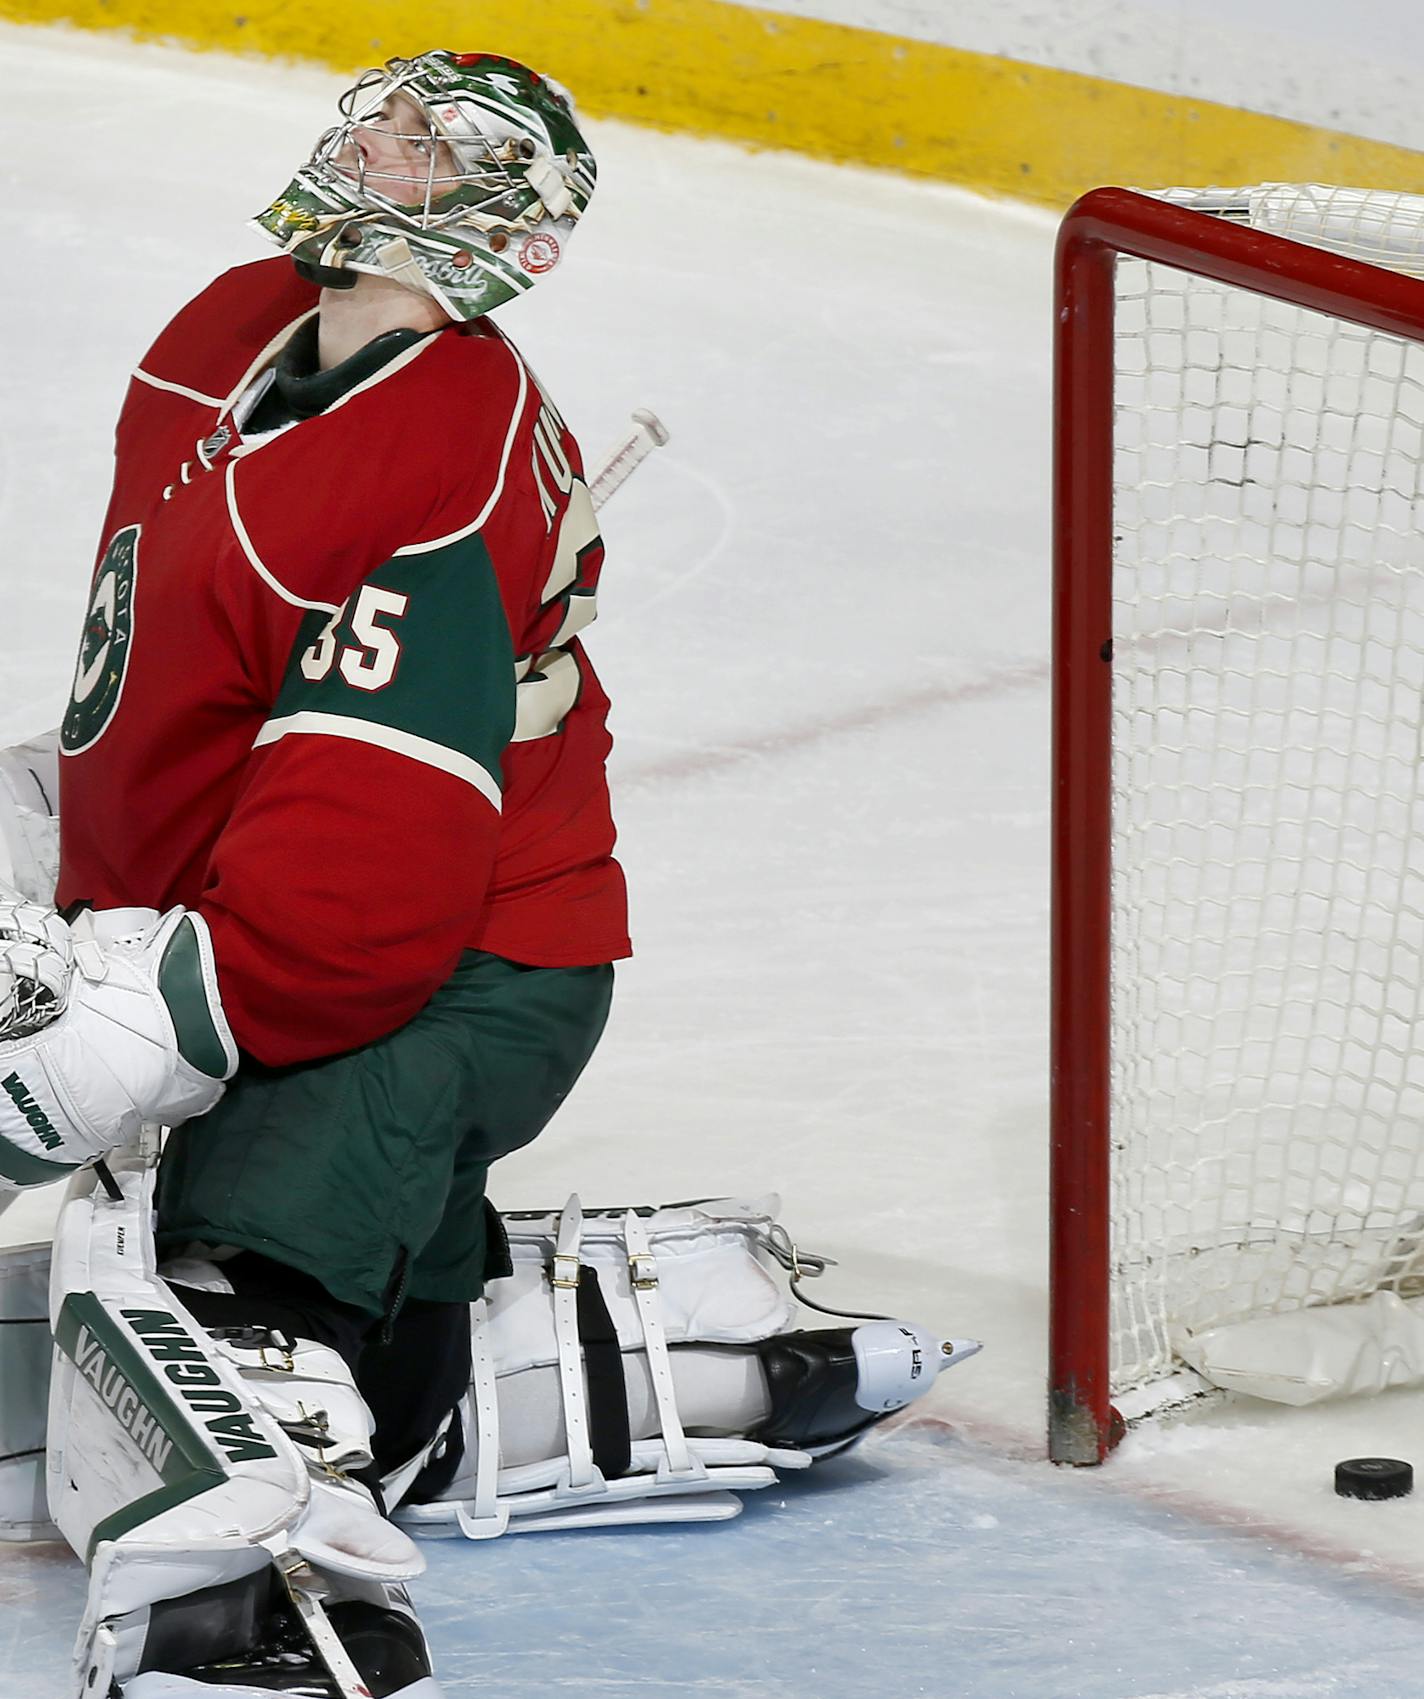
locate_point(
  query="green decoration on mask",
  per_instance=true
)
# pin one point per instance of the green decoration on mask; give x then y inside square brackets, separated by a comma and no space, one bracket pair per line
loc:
[493,179]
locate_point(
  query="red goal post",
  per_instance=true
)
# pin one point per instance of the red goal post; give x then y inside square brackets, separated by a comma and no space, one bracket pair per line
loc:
[1103,225]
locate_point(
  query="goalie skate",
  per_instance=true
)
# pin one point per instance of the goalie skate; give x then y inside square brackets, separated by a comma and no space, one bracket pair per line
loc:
[383,1641]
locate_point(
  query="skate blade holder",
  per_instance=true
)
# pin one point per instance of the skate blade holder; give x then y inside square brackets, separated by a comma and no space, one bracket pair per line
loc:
[624,1502]
[954,1351]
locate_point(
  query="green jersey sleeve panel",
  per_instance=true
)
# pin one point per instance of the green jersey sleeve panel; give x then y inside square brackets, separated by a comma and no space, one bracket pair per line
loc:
[421,650]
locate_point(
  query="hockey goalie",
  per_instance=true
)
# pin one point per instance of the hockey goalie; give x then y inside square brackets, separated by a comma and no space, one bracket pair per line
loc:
[333,930]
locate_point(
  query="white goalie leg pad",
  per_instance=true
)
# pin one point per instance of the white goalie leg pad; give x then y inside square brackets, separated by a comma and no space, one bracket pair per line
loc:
[168,1470]
[24,1392]
[699,1274]
[696,1401]
[644,1325]
[29,817]
[162,1475]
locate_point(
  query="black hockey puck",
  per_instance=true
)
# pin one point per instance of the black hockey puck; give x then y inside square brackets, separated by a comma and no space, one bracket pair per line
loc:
[1374,1477]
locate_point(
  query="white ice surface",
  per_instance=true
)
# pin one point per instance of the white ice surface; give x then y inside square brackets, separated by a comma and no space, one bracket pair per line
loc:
[825,630]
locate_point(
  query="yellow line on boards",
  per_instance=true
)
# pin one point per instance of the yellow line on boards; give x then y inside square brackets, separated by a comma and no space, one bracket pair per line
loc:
[761,77]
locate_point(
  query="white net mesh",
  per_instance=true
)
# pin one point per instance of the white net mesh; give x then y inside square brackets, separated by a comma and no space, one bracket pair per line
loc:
[1268,901]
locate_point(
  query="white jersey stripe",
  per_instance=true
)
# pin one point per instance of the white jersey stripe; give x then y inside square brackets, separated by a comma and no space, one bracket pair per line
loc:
[482,518]
[255,559]
[385,737]
[391,367]
[176,388]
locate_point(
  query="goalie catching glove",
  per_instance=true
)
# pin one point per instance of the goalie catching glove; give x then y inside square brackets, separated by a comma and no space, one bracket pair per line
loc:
[104,1025]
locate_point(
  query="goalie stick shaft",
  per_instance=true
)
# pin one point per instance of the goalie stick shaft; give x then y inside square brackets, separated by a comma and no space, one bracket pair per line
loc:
[651,433]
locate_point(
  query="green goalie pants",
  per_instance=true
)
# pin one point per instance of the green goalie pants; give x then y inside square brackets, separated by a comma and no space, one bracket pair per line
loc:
[367,1171]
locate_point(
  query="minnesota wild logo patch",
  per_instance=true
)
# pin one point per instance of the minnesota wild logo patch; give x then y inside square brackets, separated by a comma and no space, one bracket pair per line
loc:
[104,647]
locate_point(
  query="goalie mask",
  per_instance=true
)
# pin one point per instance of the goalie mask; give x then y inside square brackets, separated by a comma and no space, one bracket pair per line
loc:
[460,175]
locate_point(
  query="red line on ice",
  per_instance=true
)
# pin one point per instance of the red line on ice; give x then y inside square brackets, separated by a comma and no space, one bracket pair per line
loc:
[694,763]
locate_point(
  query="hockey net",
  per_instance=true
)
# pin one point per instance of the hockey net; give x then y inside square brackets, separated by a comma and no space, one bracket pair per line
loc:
[1239,783]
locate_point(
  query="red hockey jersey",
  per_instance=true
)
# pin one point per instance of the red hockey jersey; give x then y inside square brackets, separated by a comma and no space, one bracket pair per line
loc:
[329,691]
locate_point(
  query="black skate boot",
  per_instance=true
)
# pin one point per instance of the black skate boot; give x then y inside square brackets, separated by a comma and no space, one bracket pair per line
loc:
[828,1387]
[256,1646]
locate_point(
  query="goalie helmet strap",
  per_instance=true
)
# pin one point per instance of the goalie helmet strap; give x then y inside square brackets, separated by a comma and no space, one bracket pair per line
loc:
[326,276]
